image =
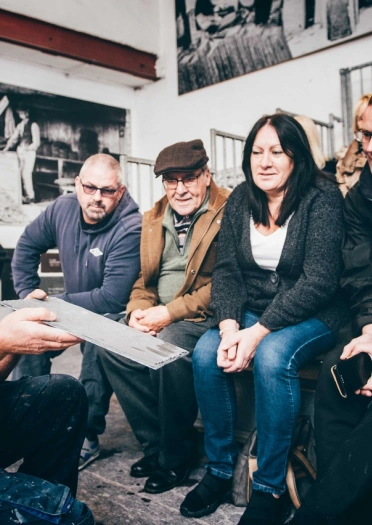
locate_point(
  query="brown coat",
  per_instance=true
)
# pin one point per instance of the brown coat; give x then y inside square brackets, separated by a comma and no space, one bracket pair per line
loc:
[193,299]
[349,167]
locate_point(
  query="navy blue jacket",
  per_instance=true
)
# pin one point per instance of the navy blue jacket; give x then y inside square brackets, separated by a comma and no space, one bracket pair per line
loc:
[100,262]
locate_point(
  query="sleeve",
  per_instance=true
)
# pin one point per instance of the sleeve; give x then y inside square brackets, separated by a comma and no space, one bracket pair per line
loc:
[120,272]
[190,305]
[142,297]
[37,238]
[229,293]
[356,279]
[322,266]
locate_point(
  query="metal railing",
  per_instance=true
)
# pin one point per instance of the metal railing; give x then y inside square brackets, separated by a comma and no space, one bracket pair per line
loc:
[139,178]
[355,82]
[326,132]
[226,158]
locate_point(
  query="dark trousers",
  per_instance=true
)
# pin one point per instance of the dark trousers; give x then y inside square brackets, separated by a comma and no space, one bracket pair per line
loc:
[43,422]
[160,405]
[343,432]
[92,376]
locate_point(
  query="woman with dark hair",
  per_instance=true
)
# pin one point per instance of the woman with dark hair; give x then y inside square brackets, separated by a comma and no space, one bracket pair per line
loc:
[274,298]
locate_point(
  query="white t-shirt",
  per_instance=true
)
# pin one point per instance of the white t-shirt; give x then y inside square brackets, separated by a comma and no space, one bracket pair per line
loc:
[267,249]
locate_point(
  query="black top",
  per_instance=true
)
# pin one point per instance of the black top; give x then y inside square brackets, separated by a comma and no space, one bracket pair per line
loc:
[306,281]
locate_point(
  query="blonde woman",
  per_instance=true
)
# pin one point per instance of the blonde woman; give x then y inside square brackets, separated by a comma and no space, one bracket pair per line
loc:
[350,165]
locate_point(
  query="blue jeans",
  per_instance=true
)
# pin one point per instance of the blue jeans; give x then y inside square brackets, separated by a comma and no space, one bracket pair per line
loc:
[277,360]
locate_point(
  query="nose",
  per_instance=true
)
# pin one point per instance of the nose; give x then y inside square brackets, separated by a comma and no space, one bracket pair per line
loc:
[266,160]
[369,145]
[97,195]
[180,187]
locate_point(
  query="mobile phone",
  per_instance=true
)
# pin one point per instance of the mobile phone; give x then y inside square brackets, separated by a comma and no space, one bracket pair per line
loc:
[351,374]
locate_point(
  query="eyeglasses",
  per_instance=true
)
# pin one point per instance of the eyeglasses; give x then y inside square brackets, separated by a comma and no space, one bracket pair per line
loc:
[91,190]
[363,135]
[188,182]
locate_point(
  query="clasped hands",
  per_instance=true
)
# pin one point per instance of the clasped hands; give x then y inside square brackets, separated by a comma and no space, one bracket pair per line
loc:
[151,320]
[237,349]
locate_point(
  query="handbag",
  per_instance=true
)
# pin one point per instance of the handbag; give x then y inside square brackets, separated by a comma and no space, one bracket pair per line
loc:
[301,471]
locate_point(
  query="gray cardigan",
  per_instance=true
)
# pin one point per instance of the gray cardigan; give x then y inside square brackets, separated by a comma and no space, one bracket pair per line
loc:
[306,281]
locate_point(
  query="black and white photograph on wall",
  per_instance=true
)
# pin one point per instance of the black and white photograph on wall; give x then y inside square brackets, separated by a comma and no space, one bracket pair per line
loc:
[221,39]
[44,140]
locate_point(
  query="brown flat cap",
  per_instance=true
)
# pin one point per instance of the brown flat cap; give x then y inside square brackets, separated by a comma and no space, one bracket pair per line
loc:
[182,156]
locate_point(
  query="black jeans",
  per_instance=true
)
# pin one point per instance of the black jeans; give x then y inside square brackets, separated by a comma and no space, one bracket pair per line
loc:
[43,422]
[92,376]
[160,405]
[343,431]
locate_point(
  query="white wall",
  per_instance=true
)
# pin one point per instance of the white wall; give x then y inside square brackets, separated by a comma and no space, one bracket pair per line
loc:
[309,85]
[116,20]
[51,81]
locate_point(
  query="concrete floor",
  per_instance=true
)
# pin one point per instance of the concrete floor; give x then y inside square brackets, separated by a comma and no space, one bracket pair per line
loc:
[113,495]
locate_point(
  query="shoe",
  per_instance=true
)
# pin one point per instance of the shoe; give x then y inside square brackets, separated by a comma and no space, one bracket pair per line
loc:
[206,496]
[27,200]
[166,479]
[145,466]
[262,509]
[89,452]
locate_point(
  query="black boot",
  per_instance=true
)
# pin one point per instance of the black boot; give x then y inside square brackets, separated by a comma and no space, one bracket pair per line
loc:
[206,496]
[262,509]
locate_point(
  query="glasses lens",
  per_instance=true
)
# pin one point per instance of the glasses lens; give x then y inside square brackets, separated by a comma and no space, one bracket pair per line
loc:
[89,189]
[366,136]
[108,193]
[190,181]
[170,184]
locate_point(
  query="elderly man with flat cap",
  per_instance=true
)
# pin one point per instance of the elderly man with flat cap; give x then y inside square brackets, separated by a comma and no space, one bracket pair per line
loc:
[170,300]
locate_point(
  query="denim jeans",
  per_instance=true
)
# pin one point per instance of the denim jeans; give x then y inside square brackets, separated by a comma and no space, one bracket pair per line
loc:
[277,360]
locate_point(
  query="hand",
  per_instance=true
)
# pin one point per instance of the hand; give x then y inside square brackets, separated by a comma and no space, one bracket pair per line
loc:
[134,321]
[366,390]
[360,344]
[37,294]
[22,332]
[155,318]
[237,350]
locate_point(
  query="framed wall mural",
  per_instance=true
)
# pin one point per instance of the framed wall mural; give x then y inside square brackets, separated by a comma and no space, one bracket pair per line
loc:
[44,140]
[221,39]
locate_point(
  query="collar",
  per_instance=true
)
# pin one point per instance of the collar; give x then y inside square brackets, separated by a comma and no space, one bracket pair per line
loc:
[365,182]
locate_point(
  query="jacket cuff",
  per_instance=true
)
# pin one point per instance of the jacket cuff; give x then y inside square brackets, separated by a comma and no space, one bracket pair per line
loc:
[227,312]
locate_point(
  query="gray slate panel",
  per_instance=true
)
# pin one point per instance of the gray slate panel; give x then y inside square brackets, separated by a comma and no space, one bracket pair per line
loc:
[113,336]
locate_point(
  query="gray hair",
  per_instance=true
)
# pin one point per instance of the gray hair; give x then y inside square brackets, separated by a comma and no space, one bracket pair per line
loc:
[106,161]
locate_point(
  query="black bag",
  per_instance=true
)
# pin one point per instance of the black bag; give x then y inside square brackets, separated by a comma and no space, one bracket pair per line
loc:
[301,471]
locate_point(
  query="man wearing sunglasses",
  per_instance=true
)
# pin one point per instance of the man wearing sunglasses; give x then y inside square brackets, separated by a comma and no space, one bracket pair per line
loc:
[170,300]
[97,232]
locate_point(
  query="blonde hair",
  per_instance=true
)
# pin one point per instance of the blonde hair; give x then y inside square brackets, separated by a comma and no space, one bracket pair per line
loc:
[313,137]
[360,107]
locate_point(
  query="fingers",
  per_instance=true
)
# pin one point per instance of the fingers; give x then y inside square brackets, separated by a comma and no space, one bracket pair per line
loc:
[37,294]
[34,314]
[230,341]
[358,345]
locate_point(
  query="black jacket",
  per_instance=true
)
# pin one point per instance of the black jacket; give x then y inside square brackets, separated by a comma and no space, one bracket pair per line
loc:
[357,250]
[306,281]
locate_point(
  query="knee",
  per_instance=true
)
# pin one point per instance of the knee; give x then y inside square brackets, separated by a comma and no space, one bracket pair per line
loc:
[205,354]
[270,362]
[70,390]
